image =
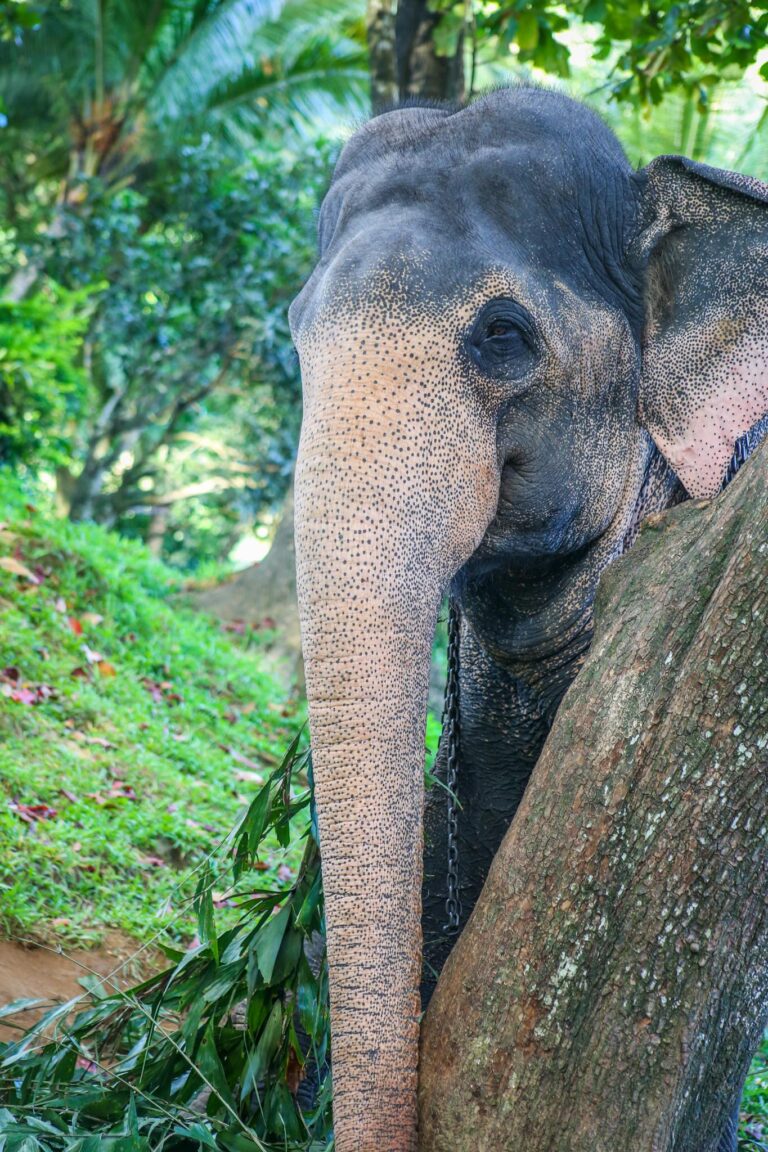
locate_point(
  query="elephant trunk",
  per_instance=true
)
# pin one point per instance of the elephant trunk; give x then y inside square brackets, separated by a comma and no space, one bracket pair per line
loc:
[389,504]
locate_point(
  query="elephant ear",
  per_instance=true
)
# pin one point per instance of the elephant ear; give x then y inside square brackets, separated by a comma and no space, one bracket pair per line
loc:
[704,385]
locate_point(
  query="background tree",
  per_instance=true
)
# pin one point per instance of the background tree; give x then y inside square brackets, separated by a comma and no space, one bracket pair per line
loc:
[380,18]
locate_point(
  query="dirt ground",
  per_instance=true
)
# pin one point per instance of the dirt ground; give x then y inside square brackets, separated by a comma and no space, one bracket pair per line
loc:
[41,973]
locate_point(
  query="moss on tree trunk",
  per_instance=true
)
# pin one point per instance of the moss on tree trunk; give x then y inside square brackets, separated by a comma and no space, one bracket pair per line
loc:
[612,983]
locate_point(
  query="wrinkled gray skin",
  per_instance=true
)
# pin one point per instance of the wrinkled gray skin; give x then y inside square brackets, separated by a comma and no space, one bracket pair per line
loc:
[513,348]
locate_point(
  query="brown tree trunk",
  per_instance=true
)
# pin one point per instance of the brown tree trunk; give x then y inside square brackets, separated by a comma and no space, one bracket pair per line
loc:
[612,983]
[380,32]
[158,525]
[421,71]
[265,595]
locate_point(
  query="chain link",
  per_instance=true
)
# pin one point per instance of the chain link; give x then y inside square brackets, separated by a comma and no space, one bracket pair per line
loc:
[450,724]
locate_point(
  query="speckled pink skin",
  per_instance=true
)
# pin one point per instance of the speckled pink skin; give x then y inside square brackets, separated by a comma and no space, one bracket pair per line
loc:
[510,456]
[706,342]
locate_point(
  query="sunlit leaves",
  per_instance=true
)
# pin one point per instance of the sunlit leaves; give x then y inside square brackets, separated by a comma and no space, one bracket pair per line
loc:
[43,387]
[654,48]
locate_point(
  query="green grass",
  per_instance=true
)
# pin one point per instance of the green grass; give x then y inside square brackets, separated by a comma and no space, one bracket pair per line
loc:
[138,725]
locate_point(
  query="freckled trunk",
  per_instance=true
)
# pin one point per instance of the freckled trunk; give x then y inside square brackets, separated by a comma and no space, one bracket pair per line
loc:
[612,983]
[393,494]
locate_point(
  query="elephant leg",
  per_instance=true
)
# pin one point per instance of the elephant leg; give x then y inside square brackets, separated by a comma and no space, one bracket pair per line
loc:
[502,731]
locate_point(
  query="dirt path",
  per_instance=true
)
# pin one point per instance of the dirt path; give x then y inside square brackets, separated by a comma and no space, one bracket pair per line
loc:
[53,976]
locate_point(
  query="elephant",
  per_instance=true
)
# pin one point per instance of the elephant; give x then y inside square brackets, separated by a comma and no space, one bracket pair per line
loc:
[513,348]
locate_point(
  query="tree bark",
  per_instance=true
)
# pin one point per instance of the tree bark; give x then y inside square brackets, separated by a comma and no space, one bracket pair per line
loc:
[612,983]
[421,72]
[266,591]
[158,525]
[380,32]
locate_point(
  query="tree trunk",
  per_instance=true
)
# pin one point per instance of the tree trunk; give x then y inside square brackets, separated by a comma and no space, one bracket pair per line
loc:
[421,72]
[158,525]
[612,983]
[265,594]
[380,32]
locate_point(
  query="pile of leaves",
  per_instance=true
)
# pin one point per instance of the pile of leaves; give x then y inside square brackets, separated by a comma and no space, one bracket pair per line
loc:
[225,1049]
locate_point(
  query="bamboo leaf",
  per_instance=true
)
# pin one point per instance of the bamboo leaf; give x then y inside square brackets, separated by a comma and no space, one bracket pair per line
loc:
[206,915]
[211,1067]
[268,943]
[19,1006]
[259,1061]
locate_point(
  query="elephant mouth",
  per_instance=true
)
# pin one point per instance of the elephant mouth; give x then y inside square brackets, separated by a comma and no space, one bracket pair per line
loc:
[524,560]
[529,531]
[531,537]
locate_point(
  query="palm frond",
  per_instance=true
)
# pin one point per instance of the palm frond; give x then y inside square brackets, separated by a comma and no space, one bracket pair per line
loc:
[168,69]
[332,70]
[197,57]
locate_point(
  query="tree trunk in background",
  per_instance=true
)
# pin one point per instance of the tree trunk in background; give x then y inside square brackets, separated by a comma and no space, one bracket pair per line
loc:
[420,71]
[612,984]
[84,490]
[265,592]
[403,61]
[380,30]
[158,525]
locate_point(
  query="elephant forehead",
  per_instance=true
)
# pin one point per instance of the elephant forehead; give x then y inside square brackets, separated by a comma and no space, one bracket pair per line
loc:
[399,306]
[403,316]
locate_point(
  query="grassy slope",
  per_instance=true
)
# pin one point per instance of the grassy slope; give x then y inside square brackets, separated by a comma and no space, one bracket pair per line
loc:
[166,716]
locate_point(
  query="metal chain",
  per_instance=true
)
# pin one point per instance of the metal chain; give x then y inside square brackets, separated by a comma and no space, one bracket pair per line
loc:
[451,736]
[744,447]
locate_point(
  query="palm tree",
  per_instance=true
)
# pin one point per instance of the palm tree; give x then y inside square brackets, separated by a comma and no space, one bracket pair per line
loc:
[113,86]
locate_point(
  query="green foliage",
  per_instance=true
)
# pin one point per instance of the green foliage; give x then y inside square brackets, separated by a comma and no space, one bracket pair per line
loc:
[118,84]
[648,49]
[169,148]
[753,1133]
[669,46]
[529,30]
[132,734]
[18,17]
[729,132]
[207,1053]
[191,357]
[43,386]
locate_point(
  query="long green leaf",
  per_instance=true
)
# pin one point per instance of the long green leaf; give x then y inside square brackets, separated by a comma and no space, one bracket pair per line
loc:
[268,943]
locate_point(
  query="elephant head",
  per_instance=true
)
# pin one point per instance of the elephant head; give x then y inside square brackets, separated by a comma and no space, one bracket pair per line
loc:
[506,328]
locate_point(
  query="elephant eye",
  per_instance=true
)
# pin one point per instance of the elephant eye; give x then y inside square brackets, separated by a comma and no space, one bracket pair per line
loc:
[503,338]
[500,328]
